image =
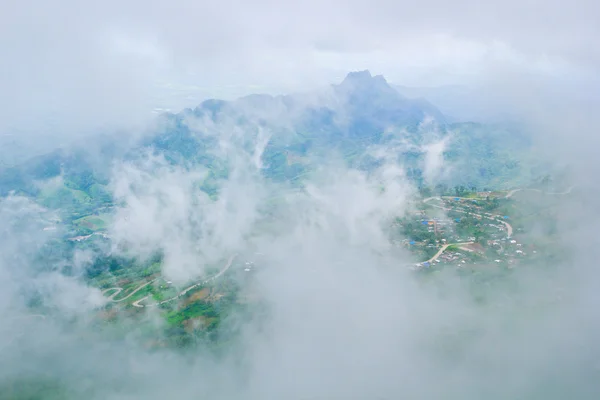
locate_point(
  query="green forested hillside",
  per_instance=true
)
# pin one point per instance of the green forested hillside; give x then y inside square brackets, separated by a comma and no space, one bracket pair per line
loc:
[365,113]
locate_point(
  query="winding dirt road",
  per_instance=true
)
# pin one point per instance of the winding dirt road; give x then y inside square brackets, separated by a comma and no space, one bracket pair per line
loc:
[510,193]
[119,290]
[442,249]
[138,303]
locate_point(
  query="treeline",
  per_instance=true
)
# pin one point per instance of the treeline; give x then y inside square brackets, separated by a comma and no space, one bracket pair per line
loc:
[114,263]
[442,189]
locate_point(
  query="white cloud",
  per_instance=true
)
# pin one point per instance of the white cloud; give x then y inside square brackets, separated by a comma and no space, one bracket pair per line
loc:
[87,66]
[165,210]
[344,317]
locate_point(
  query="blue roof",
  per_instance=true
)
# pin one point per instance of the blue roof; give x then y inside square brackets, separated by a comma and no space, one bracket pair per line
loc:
[457,198]
[412,242]
[424,222]
[457,220]
[506,217]
[426,264]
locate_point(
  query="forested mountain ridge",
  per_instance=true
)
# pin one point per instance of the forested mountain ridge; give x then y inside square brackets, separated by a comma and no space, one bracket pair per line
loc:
[293,132]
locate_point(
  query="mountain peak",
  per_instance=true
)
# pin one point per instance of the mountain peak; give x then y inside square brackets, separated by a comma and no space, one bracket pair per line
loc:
[357,76]
[363,81]
[364,76]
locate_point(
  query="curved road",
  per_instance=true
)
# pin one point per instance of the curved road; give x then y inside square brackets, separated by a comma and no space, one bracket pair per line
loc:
[510,193]
[119,290]
[183,292]
[493,217]
[137,303]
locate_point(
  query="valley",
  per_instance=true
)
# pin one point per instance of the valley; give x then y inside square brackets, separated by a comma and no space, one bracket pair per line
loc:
[234,214]
[470,232]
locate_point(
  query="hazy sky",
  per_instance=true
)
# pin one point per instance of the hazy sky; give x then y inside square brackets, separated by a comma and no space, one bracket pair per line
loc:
[103,61]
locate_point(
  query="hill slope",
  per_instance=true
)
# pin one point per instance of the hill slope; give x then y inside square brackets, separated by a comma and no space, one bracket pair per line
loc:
[290,136]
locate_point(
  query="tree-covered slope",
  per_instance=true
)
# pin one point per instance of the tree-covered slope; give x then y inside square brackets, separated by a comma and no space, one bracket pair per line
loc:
[289,136]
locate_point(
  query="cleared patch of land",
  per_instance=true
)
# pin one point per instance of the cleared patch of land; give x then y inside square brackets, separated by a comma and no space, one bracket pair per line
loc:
[199,295]
[93,222]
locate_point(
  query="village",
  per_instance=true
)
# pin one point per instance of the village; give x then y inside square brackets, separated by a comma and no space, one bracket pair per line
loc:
[462,232]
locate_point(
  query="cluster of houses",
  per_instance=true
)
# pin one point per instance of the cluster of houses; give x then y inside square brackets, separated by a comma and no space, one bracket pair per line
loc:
[248,266]
[510,248]
[507,248]
[451,256]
